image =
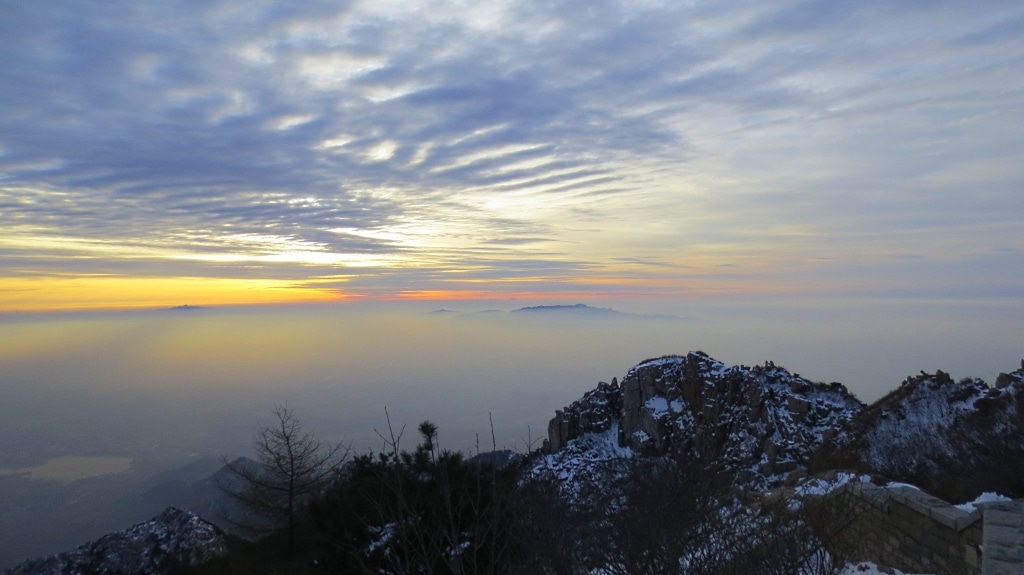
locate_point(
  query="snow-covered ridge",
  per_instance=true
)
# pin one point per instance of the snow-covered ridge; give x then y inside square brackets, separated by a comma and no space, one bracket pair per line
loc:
[932,426]
[171,540]
[762,422]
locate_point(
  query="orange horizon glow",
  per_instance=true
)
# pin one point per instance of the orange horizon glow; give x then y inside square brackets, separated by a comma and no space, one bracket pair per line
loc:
[112,293]
[120,293]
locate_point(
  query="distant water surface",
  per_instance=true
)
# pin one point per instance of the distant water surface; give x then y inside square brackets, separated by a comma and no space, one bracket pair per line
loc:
[72,468]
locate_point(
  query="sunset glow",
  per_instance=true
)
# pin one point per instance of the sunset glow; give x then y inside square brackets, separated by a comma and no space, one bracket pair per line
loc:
[102,292]
[227,154]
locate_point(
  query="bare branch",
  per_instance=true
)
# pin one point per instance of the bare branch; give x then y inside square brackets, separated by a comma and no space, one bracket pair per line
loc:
[292,467]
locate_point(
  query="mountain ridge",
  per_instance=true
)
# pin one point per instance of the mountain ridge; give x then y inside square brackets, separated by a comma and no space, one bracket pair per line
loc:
[577,311]
[172,540]
[764,423]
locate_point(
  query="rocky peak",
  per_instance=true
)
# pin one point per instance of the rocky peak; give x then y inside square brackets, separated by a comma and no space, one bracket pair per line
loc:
[1006,379]
[934,396]
[907,426]
[759,421]
[172,540]
[953,437]
[932,429]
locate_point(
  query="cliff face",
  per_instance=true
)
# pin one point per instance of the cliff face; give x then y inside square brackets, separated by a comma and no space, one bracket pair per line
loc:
[759,421]
[172,540]
[595,412]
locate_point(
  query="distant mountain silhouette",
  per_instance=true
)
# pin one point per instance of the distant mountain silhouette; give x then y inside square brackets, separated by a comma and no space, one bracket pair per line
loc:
[583,310]
[575,308]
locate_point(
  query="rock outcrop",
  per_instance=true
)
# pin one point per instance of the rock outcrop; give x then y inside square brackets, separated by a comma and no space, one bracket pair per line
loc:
[762,422]
[954,438]
[759,421]
[173,540]
[1006,379]
[595,412]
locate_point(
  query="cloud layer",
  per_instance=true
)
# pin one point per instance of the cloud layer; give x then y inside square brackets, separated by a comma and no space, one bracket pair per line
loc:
[387,148]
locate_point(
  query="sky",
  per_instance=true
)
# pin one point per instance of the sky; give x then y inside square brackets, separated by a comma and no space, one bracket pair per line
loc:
[183,152]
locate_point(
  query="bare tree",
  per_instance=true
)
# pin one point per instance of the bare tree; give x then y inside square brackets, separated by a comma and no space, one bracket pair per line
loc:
[291,467]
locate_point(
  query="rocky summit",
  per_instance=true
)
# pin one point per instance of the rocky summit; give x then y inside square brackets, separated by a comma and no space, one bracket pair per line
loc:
[760,422]
[170,541]
[763,422]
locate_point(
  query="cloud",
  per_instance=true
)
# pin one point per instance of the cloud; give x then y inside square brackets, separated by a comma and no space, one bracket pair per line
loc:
[567,136]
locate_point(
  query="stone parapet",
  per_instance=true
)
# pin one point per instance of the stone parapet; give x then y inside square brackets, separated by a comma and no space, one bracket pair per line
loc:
[1003,537]
[910,530]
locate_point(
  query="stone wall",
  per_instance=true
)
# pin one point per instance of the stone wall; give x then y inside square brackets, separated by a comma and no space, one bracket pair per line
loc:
[1003,538]
[905,528]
